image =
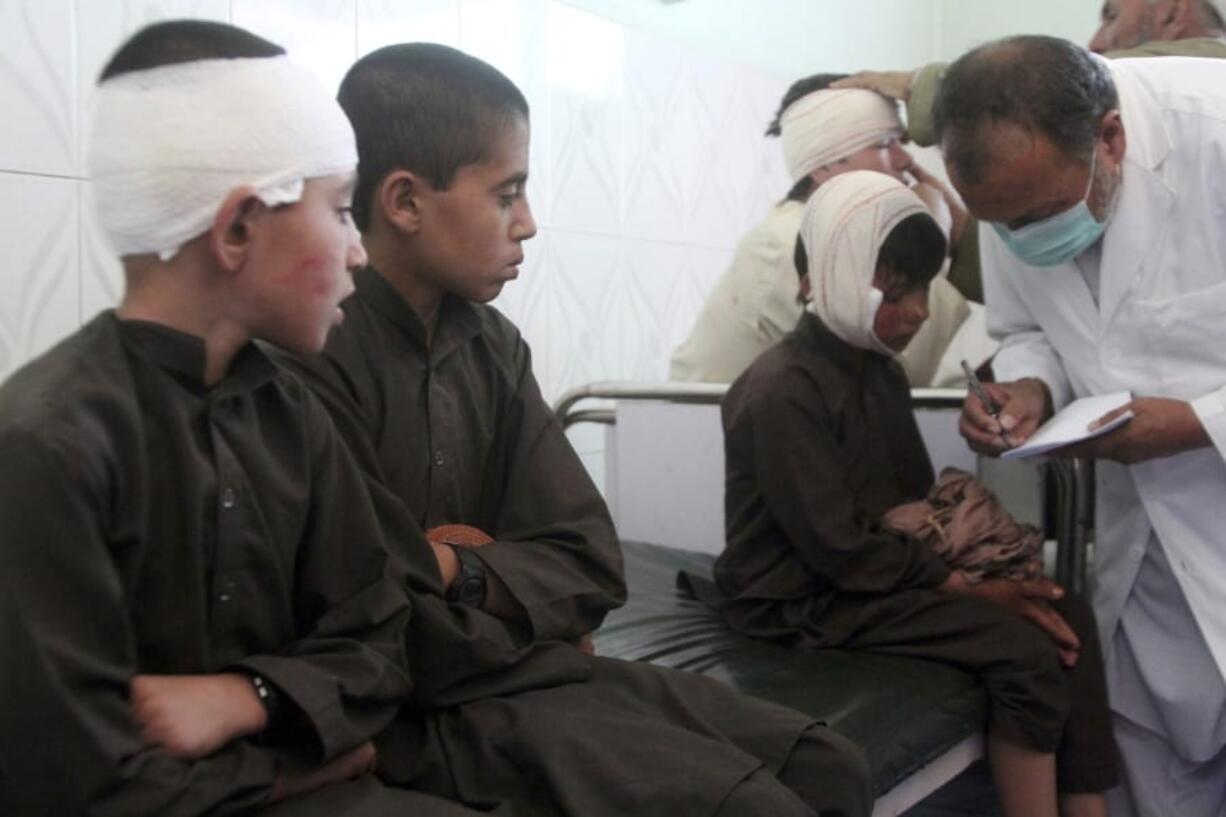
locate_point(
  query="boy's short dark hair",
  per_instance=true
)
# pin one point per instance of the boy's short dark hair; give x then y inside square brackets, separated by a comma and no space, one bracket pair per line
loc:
[797,90]
[426,108]
[914,250]
[176,41]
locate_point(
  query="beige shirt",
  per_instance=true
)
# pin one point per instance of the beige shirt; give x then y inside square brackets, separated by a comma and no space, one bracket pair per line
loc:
[754,304]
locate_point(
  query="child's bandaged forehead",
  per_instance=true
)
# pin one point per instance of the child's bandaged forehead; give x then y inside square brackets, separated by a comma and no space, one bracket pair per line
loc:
[168,144]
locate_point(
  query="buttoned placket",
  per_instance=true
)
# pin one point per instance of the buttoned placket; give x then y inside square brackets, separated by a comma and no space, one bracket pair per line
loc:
[230,519]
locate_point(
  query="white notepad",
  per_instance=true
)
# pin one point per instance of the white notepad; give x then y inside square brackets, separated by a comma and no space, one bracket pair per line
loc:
[1071,425]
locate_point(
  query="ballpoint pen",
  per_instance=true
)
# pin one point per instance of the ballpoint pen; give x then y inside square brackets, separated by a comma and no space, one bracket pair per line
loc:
[989,405]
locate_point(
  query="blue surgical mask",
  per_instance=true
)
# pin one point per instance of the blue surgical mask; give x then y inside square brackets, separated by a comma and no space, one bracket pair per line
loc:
[1057,239]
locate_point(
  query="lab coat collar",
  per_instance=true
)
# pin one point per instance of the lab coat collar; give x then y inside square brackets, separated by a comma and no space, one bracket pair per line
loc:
[1145,200]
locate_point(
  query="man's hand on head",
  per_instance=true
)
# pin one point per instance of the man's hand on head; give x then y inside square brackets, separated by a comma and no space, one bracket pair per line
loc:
[1024,406]
[1160,427]
[894,84]
[191,716]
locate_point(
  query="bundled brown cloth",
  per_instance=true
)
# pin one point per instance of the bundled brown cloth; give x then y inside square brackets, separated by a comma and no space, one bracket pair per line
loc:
[966,525]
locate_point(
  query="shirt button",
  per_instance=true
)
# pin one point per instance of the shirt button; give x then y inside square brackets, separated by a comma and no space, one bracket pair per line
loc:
[228,499]
[438,457]
[227,592]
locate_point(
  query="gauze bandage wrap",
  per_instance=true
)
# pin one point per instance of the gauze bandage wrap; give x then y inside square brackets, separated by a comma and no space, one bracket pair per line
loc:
[844,225]
[169,144]
[826,126]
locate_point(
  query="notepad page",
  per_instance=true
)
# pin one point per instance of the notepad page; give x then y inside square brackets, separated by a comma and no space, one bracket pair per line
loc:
[1071,425]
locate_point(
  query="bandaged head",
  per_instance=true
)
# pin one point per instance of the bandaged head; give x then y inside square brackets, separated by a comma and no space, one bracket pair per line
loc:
[169,144]
[844,225]
[826,126]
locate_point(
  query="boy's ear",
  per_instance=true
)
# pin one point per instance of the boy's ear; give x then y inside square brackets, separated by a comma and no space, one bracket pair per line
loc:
[234,227]
[401,196]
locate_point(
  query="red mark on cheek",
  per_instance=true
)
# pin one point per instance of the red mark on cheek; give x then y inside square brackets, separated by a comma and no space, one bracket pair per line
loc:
[309,274]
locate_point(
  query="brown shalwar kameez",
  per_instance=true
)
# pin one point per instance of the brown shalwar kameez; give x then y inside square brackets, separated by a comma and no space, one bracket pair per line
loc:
[155,525]
[820,442]
[454,430]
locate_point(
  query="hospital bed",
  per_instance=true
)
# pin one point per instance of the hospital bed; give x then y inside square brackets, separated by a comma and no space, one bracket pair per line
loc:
[920,722]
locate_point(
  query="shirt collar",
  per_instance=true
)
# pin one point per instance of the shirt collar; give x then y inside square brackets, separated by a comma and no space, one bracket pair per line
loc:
[183,355]
[458,321]
[814,334]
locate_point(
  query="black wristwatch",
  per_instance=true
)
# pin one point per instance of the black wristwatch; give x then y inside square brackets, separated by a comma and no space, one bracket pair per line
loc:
[270,699]
[469,587]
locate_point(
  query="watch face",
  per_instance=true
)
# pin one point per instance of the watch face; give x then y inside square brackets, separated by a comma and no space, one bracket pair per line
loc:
[471,591]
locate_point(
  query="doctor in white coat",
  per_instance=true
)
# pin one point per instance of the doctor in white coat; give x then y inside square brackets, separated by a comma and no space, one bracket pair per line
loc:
[1101,188]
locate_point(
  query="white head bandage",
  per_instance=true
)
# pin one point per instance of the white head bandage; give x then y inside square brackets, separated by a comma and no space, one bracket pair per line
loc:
[829,125]
[844,225]
[170,143]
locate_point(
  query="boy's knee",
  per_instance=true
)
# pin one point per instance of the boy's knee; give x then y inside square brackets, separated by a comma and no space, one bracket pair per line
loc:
[762,795]
[830,773]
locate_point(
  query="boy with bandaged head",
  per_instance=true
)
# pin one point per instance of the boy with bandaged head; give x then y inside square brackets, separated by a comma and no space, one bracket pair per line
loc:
[197,613]
[821,444]
[823,133]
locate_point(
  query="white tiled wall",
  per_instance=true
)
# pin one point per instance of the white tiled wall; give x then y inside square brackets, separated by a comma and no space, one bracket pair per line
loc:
[647,162]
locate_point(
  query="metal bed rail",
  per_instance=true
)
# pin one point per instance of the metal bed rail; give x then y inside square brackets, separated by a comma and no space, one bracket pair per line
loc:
[1072,481]
[702,393]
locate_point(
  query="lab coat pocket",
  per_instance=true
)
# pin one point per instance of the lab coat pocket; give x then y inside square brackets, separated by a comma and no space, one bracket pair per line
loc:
[1185,337]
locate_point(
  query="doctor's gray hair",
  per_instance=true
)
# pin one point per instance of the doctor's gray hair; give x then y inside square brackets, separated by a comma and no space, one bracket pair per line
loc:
[1044,85]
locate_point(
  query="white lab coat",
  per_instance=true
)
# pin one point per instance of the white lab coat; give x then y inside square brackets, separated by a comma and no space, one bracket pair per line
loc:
[1159,329]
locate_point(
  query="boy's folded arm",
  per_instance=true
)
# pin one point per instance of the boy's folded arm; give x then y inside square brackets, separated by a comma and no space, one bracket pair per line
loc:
[347,675]
[69,656]
[555,548]
[799,472]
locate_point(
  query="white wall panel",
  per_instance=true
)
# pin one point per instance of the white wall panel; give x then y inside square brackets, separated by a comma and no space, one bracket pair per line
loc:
[38,281]
[37,93]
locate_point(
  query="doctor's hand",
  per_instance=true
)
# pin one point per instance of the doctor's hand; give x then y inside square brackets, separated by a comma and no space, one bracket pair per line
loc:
[1031,599]
[191,716]
[1160,427]
[894,84]
[1024,405]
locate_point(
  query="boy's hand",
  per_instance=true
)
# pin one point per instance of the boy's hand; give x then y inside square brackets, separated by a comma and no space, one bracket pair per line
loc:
[443,537]
[191,716]
[1031,600]
[294,778]
[585,644]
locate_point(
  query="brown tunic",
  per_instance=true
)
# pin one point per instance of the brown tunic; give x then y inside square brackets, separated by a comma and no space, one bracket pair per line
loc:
[457,432]
[154,525]
[820,442]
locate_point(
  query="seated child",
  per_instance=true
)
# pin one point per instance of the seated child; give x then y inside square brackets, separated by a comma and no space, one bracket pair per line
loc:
[821,442]
[434,392]
[197,613]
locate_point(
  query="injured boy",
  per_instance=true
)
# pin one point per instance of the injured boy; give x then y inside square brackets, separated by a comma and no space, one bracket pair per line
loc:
[821,443]
[196,615]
